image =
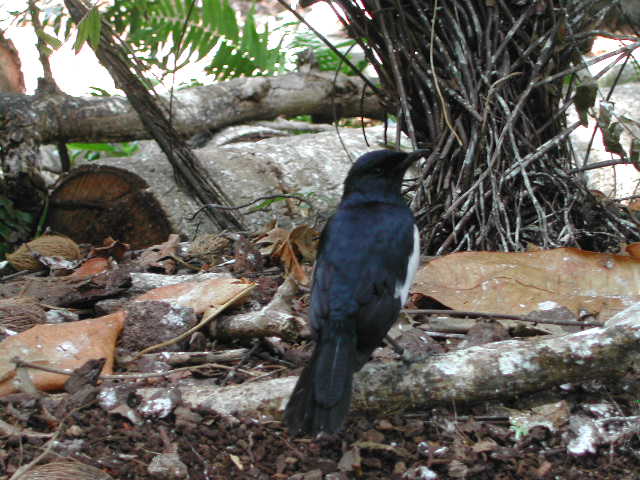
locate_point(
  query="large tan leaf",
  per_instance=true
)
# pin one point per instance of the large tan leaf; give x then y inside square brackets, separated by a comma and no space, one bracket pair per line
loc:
[518,283]
[208,298]
[201,296]
[62,346]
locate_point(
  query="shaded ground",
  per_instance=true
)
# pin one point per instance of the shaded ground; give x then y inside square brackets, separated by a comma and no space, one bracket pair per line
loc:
[413,446]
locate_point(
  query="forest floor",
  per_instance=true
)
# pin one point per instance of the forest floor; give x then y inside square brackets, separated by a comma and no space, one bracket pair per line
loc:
[482,441]
[440,444]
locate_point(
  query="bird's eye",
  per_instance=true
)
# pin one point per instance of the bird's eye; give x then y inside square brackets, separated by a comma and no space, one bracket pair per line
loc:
[377,171]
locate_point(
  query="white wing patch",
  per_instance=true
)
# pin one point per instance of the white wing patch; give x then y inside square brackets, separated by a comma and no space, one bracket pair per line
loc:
[402,288]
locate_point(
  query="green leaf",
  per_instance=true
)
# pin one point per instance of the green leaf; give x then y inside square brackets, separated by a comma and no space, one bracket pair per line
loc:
[207,44]
[229,26]
[93,150]
[95,147]
[5,232]
[89,29]
[211,12]
[6,203]
[181,8]
[50,40]
[83,34]
[99,92]
[95,27]
[24,217]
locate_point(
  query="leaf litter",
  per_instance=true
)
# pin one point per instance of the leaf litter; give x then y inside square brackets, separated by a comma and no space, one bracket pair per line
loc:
[151,421]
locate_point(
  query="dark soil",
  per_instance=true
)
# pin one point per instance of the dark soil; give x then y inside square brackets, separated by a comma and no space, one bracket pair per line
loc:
[413,446]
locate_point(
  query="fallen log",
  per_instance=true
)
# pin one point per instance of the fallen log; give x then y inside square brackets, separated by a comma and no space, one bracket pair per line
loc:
[197,109]
[498,370]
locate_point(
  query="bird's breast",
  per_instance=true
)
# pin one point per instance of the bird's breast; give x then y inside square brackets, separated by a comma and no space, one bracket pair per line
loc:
[403,286]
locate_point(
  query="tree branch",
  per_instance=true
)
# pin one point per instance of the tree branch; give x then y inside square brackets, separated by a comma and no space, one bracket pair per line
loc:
[197,109]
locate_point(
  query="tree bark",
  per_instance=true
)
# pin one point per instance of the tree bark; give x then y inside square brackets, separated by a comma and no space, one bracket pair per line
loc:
[197,109]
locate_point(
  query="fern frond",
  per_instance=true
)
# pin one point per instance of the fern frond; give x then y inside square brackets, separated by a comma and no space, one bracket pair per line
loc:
[211,28]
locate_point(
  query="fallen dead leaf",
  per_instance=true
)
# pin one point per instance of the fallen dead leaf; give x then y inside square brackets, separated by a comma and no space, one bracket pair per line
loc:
[160,256]
[305,240]
[551,416]
[91,267]
[633,249]
[486,445]
[62,346]
[519,283]
[110,248]
[209,298]
[200,296]
[271,241]
[289,246]
[291,263]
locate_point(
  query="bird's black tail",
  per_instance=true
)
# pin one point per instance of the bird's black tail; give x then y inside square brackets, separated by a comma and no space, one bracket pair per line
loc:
[320,401]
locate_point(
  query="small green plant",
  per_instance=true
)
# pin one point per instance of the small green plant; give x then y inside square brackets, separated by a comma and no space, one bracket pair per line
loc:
[14,225]
[93,151]
[520,431]
[99,92]
[327,59]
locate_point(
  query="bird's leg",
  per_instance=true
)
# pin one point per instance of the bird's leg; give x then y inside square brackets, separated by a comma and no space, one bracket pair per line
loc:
[394,345]
[407,355]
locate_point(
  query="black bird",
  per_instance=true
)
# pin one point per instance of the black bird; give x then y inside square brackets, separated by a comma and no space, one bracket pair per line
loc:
[367,257]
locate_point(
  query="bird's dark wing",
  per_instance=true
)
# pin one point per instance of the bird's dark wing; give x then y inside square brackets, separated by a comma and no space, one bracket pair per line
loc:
[362,259]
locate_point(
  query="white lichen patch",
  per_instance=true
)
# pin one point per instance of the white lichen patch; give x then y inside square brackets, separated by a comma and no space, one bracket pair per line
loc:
[108,398]
[586,441]
[455,363]
[548,305]
[172,319]
[602,410]
[585,347]
[158,407]
[628,316]
[513,361]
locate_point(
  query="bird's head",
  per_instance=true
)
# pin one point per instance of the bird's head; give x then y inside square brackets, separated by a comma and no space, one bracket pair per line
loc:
[377,175]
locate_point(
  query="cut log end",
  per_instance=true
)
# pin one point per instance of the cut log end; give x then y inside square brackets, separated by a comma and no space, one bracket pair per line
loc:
[93,202]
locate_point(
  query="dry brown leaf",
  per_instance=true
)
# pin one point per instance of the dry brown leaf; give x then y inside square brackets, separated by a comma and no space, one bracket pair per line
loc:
[291,263]
[305,240]
[272,241]
[288,246]
[634,205]
[91,267]
[160,256]
[551,415]
[633,249]
[518,283]
[200,296]
[63,346]
[110,248]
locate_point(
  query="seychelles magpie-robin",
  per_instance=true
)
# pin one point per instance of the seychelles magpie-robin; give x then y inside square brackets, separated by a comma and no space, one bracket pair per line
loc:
[367,257]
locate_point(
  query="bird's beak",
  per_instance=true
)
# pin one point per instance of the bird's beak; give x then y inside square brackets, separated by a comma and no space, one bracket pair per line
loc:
[412,157]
